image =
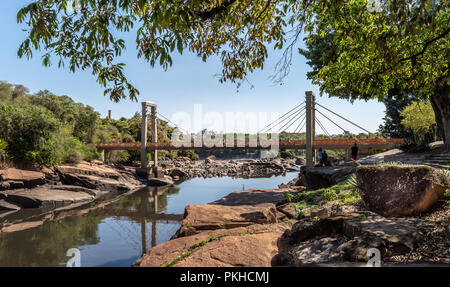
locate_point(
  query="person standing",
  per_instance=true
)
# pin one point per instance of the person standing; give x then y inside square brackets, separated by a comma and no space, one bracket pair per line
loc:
[319,156]
[354,151]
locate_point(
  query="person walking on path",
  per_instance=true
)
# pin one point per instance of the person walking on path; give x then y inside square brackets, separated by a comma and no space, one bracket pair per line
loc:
[354,151]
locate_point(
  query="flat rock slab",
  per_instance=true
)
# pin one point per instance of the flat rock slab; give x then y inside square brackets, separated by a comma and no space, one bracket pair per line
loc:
[96,182]
[253,245]
[318,251]
[4,205]
[44,197]
[401,231]
[213,216]
[166,180]
[28,178]
[254,250]
[89,169]
[253,197]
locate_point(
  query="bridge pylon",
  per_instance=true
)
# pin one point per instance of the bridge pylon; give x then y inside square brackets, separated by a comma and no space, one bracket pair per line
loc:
[310,127]
[144,135]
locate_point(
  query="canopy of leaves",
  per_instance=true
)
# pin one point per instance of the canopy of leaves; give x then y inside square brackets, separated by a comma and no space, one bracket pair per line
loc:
[405,46]
[86,34]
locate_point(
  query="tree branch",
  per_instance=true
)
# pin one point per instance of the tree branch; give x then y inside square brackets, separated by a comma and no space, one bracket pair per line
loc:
[429,42]
[205,15]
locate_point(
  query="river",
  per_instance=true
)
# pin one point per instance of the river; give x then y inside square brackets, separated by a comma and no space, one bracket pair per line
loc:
[118,233]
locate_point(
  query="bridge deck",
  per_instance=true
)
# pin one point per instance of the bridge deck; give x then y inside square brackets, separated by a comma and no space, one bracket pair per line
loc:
[247,145]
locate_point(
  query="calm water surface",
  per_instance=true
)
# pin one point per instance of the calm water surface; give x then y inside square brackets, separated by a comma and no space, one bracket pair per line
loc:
[118,234]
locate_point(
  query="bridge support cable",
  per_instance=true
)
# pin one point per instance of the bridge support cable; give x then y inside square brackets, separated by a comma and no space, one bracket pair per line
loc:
[293,120]
[322,127]
[345,131]
[169,121]
[302,124]
[356,125]
[283,116]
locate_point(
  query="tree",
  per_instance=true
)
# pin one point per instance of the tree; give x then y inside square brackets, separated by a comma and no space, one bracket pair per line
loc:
[392,125]
[419,118]
[404,46]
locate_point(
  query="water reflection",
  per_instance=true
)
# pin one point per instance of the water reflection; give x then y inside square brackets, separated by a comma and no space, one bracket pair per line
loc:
[47,244]
[118,233]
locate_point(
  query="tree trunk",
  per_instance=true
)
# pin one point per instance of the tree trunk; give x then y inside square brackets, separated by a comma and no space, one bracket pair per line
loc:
[441,106]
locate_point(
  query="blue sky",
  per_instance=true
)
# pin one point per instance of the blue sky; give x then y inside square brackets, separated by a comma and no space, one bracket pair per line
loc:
[189,81]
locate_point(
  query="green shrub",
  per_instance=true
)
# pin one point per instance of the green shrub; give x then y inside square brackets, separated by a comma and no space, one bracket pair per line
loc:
[447,194]
[287,154]
[3,144]
[30,132]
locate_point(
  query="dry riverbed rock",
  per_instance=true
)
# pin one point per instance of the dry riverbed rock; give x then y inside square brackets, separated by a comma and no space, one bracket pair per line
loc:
[44,197]
[399,190]
[213,216]
[12,178]
[98,177]
[254,245]
[348,238]
[321,177]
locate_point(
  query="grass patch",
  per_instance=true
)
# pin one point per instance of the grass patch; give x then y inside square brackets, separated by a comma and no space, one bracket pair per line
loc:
[344,192]
[194,248]
[447,194]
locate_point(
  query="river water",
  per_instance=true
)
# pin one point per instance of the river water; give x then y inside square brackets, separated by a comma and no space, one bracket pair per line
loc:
[118,234]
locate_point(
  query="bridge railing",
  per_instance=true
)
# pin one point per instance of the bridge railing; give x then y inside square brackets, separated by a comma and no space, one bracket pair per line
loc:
[326,143]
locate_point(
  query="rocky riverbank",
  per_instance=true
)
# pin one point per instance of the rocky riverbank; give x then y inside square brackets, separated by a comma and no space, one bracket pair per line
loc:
[184,168]
[332,226]
[26,194]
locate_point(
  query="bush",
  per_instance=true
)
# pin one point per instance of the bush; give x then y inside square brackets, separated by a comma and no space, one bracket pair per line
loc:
[30,132]
[188,153]
[287,154]
[3,144]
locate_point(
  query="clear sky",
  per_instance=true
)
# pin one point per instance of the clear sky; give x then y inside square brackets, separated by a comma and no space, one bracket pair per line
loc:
[189,81]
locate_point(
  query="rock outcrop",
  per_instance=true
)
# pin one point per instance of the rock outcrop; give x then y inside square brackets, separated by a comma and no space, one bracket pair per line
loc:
[241,229]
[214,216]
[322,177]
[400,190]
[184,168]
[254,245]
[44,197]
[348,238]
[13,178]
[98,177]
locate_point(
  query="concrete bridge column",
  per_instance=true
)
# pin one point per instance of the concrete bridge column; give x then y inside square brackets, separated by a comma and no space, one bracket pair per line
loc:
[309,128]
[144,162]
[154,134]
[102,155]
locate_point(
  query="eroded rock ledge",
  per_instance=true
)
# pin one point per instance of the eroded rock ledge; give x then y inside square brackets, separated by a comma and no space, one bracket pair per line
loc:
[68,185]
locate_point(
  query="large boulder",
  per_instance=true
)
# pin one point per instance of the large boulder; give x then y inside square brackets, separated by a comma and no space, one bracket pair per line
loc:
[14,178]
[253,245]
[214,216]
[210,159]
[322,177]
[176,172]
[400,190]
